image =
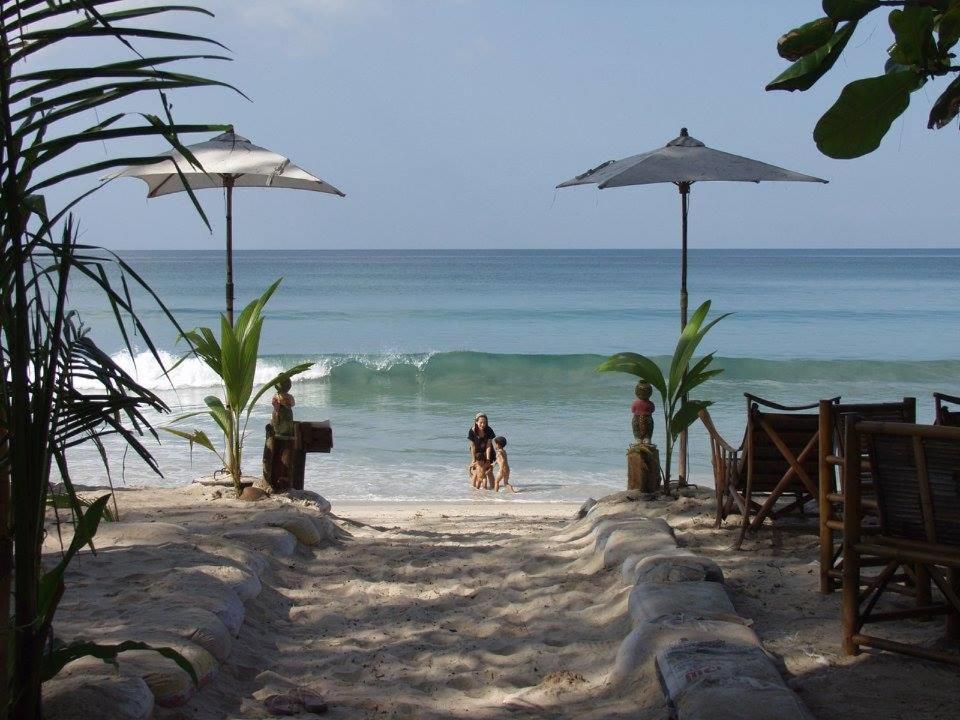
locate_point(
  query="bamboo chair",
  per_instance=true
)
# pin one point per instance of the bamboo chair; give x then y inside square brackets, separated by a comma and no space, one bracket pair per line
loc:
[949,416]
[778,455]
[916,476]
[831,485]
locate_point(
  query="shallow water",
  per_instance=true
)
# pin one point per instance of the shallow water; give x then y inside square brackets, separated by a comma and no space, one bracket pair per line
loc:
[408,345]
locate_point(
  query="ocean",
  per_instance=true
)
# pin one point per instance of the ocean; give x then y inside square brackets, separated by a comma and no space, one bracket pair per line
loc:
[408,345]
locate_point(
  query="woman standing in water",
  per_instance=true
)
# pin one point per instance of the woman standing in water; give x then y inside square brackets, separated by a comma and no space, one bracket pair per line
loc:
[481,437]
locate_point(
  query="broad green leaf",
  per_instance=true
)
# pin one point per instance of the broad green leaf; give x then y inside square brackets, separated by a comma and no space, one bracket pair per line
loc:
[810,68]
[220,414]
[948,28]
[62,654]
[639,365]
[862,115]
[805,39]
[913,30]
[695,380]
[686,346]
[841,10]
[946,106]
[686,415]
[51,583]
[196,437]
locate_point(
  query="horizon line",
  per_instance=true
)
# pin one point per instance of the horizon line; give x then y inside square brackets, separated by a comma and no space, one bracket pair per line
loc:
[525,249]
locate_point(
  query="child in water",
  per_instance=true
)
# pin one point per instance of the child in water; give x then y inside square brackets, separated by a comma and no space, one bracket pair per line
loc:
[503,472]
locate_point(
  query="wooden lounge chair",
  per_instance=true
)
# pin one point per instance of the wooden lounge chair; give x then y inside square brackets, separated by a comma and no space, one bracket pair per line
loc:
[779,455]
[949,416]
[916,477]
[831,485]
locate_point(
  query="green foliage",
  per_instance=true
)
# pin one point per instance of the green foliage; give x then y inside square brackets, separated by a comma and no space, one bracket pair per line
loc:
[806,38]
[63,653]
[924,35]
[872,105]
[811,67]
[51,104]
[234,360]
[679,411]
[841,10]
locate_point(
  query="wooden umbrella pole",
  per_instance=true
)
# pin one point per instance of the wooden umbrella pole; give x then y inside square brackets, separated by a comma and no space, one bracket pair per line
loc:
[228,181]
[684,188]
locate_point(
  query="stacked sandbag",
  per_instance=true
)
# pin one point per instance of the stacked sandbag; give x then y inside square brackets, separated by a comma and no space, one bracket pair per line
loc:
[167,586]
[711,665]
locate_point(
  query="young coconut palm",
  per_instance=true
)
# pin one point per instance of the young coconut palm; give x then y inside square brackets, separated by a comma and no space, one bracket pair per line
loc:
[234,360]
[679,412]
[48,112]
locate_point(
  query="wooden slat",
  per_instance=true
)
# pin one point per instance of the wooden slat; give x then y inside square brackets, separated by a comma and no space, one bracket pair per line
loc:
[883,644]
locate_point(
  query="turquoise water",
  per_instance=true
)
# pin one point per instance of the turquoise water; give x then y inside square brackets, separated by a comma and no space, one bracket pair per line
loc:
[407,345]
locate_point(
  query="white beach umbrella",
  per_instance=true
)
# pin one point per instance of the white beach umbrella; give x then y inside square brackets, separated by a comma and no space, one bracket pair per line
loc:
[684,161]
[228,161]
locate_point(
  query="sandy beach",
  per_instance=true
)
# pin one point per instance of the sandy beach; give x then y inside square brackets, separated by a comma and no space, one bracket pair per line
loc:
[480,609]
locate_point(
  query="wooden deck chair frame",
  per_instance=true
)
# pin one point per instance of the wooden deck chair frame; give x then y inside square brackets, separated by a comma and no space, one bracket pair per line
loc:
[738,477]
[916,469]
[947,416]
[831,483]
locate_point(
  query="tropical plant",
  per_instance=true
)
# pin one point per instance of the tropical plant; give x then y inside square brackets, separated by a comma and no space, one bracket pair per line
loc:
[47,112]
[924,35]
[234,360]
[679,412]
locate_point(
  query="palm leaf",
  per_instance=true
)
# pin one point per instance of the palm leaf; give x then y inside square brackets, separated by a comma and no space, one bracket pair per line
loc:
[63,654]
[639,365]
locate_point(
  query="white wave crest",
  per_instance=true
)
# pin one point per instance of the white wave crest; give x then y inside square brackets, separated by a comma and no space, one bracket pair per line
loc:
[193,373]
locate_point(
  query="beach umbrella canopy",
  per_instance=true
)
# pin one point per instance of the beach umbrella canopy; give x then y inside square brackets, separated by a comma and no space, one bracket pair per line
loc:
[228,161]
[684,161]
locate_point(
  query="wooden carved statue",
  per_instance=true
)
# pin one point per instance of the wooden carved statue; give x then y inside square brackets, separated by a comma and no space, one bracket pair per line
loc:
[278,447]
[643,458]
[642,411]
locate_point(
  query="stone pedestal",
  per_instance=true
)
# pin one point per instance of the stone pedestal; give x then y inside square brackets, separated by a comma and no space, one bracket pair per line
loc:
[643,468]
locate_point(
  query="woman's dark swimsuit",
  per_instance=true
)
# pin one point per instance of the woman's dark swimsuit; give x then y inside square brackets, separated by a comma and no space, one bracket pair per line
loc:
[480,444]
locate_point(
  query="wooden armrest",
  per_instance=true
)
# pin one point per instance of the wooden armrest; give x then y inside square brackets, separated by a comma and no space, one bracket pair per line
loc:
[790,408]
[715,434]
[943,397]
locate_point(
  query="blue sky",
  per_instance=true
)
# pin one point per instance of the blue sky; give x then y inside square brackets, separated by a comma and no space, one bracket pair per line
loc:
[449,122]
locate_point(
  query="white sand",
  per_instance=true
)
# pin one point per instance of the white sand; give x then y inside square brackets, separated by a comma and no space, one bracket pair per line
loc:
[475,609]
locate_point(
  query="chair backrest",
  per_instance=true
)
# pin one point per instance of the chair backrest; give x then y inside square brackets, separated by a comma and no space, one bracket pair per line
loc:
[903,411]
[916,477]
[833,423]
[948,416]
[768,433]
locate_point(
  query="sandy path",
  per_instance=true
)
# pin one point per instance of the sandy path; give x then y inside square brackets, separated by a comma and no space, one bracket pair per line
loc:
[428,611]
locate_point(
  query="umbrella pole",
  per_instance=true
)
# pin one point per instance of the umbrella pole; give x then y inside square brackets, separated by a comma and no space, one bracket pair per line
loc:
[684,188]
[228,184]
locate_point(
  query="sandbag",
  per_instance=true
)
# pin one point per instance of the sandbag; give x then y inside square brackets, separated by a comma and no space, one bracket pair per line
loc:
[271,540]
[672,567]
[636,655]
[245,584]
[718,680]
[107,697]
[170,684]
[691,600]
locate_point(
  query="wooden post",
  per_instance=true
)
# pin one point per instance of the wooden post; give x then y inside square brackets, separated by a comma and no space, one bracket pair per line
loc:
[826,486]
[851,535]
[228,181]
[684,188]
[643,468]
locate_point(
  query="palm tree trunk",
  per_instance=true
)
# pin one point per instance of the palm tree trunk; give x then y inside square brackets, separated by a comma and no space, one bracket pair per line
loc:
[6,567]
